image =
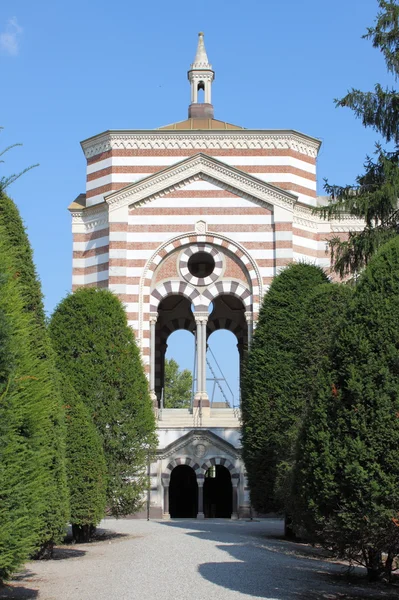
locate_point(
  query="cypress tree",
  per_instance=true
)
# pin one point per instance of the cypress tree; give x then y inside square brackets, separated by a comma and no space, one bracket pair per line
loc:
[86,468]
[358,438]
[272,403]
[24,460]
[97,352]
[311,478]
[55,509]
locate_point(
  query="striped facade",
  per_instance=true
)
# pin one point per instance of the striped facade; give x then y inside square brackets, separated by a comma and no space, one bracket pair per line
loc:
[154,200]
[119,247]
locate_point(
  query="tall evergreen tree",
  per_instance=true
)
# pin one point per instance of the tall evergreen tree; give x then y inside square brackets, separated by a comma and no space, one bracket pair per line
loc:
[374,198]
[97,352]
[311,479]
[24,425]
[55,509]
[86,467]
[272,403]
[350,446]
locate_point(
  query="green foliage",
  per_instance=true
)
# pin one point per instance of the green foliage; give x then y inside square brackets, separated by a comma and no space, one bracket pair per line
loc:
[86,467]
[374,198]
[25,459]
[272,400]
[311,480]
[5,181]
[97,352]
[51,431]
[178,386]
[350,446]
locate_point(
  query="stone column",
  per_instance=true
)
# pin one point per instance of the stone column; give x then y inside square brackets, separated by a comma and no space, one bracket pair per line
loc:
[250,320]
[200,514]
[201,397]
[153,321]
[166,514]
[234,514]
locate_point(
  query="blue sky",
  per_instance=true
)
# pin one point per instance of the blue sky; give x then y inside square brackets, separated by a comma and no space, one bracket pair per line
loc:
[72,69]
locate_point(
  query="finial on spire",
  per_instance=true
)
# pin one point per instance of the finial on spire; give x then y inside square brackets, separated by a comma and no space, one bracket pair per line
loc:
[201,58]
[201,76]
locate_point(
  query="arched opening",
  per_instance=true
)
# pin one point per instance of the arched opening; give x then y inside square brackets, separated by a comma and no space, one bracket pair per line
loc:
[174,340]
[178,370]
[223,369]
[218,493]
[201,92]
[183,493]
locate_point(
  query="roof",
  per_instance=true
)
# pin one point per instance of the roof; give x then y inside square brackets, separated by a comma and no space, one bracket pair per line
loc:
[200,124]
[79,203]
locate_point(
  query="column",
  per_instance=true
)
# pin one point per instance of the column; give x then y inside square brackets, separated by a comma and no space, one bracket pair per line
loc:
[250,324]
[153,321]
[201,396]
[234,514]
[200,514]
[166,514]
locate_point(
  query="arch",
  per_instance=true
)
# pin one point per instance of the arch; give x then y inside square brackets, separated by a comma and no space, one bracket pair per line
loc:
[224,462]
[184,460]
[193,238]
[235,288]
[169,288]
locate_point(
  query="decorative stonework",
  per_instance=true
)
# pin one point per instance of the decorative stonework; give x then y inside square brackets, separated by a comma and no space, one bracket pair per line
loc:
[200,227]
[165,140]
[201,166]
[245,258]
[189,252]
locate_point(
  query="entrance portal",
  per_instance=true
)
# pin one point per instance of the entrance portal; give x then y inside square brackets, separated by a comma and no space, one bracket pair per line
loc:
[218,493]
[183,493]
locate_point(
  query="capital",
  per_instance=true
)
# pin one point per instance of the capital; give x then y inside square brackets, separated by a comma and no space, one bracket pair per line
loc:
[153,318]
[201,317]
[249,317]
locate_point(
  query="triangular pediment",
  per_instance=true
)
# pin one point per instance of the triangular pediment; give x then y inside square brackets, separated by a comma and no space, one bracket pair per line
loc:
[201,166]
[203,436]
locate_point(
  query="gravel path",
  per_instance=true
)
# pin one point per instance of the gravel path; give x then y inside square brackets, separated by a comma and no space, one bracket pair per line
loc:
[187,559]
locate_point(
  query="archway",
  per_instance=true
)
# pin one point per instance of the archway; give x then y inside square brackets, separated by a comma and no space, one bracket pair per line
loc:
[218,493]
[183,493]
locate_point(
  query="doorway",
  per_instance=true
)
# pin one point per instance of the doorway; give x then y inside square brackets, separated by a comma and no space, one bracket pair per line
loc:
[218,493]
[183,493]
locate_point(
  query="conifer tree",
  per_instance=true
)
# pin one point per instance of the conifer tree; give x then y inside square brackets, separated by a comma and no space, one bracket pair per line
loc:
[374,198]
[323,312]
[350,446]
[24,423]
[86,468]
[272,403]
[97,352]
[55,509]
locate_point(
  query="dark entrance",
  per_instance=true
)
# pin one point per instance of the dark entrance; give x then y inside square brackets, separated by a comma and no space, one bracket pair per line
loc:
[183,493]
[218,493]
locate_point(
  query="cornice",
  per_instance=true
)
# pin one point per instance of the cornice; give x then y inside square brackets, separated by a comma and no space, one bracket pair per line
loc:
[304,216]
[205,167]
[240,139]
[91,218]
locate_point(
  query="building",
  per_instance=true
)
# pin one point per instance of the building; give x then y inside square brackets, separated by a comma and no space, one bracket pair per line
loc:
[195,214]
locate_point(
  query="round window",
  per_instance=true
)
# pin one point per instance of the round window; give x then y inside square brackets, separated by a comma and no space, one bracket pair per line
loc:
[201,264]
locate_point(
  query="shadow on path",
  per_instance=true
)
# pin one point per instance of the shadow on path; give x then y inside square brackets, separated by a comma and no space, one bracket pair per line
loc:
[265,566]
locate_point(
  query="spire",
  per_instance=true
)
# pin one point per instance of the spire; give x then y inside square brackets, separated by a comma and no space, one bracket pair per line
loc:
[201,58]
[201,76]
